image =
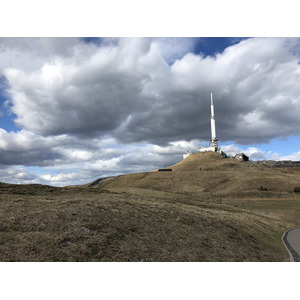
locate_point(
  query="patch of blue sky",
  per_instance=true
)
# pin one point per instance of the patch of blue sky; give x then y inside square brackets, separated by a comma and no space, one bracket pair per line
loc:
[31,169]
[99,41]
[283,146]
[42,171]
[93,40]
[7,123]
[210,46]
[36,170]
[227,143]
[6,116]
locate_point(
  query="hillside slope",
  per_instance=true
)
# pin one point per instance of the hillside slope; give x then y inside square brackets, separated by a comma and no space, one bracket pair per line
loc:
[85,224]
[207,209]
[211,174]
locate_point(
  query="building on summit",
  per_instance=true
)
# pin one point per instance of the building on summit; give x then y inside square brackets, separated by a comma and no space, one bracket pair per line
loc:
[241,157]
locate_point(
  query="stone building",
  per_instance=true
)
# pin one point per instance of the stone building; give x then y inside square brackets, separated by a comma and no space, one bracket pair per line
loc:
[241,157]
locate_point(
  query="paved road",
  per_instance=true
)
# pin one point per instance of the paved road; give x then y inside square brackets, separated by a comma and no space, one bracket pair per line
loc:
[291,240]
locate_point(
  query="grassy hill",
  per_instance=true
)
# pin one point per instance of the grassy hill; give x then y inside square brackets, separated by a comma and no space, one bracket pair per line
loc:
[207,209]
[211,175]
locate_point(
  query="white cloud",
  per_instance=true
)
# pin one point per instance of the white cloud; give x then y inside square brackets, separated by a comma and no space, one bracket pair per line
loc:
[134,104]
[174,48]
[69,177]
[294,156]
[31,53]
[26,148]
[252,152]
[77,155]
[109,165]
[15,174]
[128,90]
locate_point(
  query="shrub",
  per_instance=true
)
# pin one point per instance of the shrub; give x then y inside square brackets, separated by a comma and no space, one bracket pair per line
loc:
[297,189]
[263,189]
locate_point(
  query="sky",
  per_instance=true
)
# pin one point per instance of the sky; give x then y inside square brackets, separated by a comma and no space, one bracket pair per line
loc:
[76,109]
[56,128]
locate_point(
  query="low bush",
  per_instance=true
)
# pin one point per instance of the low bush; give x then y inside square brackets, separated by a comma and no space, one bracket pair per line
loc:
[297,189]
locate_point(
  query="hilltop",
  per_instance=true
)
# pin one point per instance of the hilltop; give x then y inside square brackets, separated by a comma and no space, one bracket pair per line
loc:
[210,174]
[208,208]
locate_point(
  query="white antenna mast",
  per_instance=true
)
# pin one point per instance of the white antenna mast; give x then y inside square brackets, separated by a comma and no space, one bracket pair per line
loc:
[214,140]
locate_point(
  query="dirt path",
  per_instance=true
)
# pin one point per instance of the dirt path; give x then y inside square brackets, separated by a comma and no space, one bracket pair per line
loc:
[291,240]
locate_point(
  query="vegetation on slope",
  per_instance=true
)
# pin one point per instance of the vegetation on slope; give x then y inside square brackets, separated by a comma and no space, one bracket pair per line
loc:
[207,209]
[85,224]
[211,175]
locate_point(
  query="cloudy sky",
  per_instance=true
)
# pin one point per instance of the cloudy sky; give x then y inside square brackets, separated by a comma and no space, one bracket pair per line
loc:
[76,109]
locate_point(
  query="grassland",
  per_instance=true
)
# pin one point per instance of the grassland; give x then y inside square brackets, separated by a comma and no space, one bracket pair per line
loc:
[207,209]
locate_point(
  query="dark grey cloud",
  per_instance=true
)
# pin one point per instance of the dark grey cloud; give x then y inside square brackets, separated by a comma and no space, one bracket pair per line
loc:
[256,98]
[25,148]
[12,174]
[31,53]
[102,107]
[94,95]
[128,90]
[29,158]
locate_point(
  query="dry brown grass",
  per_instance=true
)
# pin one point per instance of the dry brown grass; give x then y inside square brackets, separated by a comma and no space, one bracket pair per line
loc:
[211,175]
[184,215]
